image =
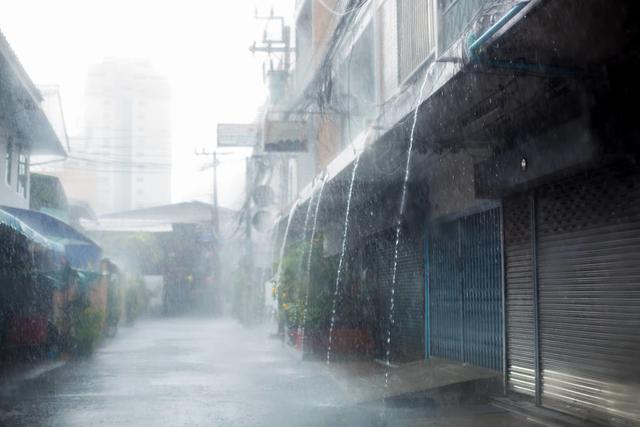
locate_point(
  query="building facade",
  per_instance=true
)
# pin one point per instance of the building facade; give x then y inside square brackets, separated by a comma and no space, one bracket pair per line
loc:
[498,150]
[24,129]
[127,136]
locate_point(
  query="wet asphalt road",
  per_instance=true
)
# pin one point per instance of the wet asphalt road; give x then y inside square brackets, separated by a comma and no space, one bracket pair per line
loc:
[179,372]
[204,372]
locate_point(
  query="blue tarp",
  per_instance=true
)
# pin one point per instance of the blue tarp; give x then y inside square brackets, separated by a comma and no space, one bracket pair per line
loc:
[80,251]
[22,228]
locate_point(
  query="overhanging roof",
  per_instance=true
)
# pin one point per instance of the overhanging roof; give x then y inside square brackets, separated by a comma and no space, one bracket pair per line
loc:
[184,213]
[22,105]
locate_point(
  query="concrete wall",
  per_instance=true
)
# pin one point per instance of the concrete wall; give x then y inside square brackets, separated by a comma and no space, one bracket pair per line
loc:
[451,185]
[328,142]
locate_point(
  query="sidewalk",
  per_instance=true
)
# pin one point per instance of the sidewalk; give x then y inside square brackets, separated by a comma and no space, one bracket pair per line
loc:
[365,380]
[427,393]
[12,376]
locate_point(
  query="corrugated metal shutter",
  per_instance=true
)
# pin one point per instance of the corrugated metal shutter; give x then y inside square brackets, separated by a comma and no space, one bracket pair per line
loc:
[407,335]
[445,292]
[465,290]
[480,249]
[379,256]
[409,312]
[589,290]
[519,295]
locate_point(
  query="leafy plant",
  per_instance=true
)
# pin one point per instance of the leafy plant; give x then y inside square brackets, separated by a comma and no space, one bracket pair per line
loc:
[86,328]
[296,288]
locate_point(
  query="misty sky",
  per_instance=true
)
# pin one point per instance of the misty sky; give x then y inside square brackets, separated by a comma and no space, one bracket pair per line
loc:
[200,45]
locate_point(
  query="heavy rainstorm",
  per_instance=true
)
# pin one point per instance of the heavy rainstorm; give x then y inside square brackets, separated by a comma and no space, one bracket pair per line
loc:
[319,213]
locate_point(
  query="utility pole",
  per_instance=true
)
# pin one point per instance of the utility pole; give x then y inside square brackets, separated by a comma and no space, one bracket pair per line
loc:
[217,240]
[214,164]
[271,46]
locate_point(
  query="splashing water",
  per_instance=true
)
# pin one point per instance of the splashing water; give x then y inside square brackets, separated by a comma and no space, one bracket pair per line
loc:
[342,252]
[403,199]
[284,240]
[307,275]
[304,239]
[306,225]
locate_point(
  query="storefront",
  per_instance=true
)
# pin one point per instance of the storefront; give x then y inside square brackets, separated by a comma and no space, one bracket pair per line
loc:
[407,331]
[572,260]
[464,290]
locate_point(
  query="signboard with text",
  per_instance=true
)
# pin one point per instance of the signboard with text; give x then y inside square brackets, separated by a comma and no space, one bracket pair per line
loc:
[237,135]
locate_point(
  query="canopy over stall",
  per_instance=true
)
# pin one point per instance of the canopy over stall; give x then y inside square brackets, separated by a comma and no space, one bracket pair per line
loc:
[80,251]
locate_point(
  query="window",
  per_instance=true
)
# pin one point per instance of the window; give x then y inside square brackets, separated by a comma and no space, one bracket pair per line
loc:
[456,17]
[23,168]
[8,161]
[357,88]
[416,35]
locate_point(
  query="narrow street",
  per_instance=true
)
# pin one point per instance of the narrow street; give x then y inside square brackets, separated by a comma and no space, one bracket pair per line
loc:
[178,372]
[202,372]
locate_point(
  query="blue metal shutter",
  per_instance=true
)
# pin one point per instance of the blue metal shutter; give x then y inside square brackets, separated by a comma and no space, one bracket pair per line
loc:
[465,290]
[482,289]
[445,293]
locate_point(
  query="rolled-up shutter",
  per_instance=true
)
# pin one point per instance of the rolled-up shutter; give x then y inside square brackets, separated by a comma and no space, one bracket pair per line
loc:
[589,293]
[519,295]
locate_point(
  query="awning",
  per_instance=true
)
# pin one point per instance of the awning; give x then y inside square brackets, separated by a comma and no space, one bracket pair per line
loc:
[22,228]
[80,250]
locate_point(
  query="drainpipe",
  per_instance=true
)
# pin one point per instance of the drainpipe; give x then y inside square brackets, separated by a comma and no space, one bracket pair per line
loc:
[476,46]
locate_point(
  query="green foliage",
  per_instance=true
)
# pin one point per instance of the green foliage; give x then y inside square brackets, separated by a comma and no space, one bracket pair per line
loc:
[294,286]
[86,328]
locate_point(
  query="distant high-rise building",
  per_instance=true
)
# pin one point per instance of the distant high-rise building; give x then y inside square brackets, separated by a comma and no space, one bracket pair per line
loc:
[127,136]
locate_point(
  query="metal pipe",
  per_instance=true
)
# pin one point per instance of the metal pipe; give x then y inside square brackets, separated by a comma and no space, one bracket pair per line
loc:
[461,284]
[503,290]
[477,44]
[427,311]
[536,302]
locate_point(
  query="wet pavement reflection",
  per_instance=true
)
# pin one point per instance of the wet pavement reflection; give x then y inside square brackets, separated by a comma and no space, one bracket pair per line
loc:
[200,372]
[180,372]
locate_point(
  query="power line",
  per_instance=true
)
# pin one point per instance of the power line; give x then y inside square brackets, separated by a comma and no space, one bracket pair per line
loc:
[118,162]
[116,171]
[343,13]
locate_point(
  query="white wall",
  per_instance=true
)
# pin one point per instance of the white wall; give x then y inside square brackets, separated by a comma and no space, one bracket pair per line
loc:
[9,193]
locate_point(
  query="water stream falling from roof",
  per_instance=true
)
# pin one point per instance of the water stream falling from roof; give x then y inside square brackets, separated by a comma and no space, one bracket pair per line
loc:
[307,275]
[301,270]
[403,200]
[284,239]
[342,253]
